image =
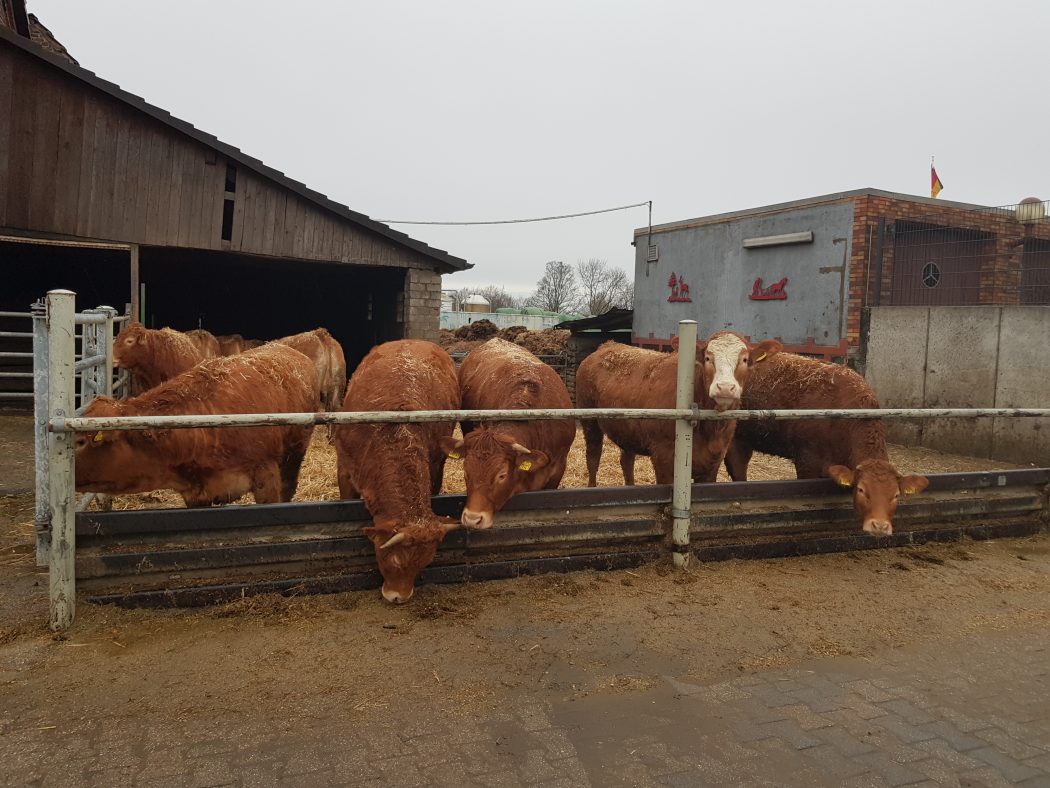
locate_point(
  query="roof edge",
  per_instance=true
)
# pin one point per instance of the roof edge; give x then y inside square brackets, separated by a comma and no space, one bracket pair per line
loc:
[184,127]
[822,199]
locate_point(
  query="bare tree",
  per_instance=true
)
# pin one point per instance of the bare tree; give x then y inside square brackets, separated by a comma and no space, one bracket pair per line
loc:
[556,291]
[626,298]
[603,287]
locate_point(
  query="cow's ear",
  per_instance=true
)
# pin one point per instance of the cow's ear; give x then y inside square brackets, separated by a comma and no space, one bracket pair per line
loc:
[913,484]
[674,344]
[452,446]
[535,460]
[763,350]
[841,475]
[701,348]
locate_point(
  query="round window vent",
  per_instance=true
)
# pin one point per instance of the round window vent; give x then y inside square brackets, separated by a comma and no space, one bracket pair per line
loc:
[931,275]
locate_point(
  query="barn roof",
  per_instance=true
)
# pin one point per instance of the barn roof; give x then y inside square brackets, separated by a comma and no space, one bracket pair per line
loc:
[443,258]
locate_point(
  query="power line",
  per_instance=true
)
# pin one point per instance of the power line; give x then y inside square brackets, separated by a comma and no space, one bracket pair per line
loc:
[522,221]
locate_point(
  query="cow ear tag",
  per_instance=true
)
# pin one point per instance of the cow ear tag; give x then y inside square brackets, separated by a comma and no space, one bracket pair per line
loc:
[525,465]
[760,357]
[98,437]
[909,490]
[455,455]
[845,483]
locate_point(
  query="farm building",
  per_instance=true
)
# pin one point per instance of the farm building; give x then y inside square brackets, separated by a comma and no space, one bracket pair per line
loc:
[109,196]
[808,271]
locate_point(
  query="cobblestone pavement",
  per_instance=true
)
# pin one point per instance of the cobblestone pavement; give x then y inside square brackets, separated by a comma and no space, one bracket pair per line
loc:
[974,714]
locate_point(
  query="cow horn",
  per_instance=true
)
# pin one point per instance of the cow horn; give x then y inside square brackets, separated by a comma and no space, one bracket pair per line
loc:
[393,540]
[521,449]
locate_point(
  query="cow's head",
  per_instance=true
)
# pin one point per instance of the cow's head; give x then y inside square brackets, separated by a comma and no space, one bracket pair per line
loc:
[129,345]
[105,461]
[404,551]
[724,361]
[877,487]
[496,467]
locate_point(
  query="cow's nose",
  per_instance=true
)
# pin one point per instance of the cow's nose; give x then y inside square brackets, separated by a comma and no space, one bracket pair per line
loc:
[878,527]
[726,390]
[397,597]
[476,519]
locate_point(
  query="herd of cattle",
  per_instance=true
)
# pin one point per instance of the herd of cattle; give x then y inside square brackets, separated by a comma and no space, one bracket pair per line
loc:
[396,468]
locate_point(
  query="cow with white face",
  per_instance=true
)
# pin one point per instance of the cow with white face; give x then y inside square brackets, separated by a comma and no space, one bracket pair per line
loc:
[621,376]
[852,452]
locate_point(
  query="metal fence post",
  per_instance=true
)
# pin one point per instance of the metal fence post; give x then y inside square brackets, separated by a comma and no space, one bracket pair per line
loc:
[89,377]
[106,340]
[61,311]
[42,503]
[682,496]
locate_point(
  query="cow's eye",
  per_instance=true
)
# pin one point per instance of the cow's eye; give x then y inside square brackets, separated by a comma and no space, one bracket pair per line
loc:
[862,491]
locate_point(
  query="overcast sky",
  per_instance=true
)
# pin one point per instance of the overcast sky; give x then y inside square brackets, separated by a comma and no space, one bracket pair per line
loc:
[485,110]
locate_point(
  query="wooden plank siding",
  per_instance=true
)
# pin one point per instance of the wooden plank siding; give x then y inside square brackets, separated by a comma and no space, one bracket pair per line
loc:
[78,162]
[6,89]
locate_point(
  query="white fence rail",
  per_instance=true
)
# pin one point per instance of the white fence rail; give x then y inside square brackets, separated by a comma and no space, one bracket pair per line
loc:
[60,422]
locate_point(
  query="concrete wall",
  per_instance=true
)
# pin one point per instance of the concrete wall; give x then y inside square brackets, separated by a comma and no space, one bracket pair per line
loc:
[965,357]
[720,273]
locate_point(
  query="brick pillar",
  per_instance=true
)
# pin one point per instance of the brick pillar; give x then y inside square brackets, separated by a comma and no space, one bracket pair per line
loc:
[422,300]
[1009,250]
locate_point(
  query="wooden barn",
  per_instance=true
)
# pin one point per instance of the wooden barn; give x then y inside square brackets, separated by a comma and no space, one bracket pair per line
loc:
[809,272]
[112,197]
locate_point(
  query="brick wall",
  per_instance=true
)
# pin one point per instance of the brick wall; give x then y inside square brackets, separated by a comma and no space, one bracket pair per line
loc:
[422,304]
[1000,278]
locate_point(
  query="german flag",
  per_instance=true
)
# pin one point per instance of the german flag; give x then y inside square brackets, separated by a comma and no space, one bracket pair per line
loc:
[935,183]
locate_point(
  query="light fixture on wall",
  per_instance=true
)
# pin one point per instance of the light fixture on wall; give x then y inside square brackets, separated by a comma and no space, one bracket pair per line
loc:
[779,240]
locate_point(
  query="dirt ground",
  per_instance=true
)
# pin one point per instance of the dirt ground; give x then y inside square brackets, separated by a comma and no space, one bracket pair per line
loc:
[458,650]
[455,651]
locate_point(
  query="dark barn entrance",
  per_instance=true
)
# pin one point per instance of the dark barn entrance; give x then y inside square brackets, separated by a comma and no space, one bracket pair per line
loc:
[262,298]
[97,275]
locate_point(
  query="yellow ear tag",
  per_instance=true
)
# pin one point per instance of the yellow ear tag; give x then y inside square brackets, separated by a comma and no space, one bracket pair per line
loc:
[909,490]
[760,358]
[98,437]
[454,455]
[525,465]
[845,483]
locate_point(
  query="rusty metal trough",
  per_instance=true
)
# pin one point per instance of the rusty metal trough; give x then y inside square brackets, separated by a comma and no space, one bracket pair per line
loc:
[188,557]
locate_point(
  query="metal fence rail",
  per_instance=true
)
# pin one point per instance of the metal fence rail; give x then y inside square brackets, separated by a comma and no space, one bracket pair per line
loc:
[107,423]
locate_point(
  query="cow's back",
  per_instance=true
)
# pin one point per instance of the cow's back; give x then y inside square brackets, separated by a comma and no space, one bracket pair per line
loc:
[500,375]
[206,343]
[790,382]
[622,376]
[394,465]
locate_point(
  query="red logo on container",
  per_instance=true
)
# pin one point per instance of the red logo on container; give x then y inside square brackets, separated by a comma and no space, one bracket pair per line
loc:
[774,292]
[679,289]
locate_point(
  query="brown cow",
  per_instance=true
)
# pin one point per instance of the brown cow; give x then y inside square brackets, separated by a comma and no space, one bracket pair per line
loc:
[207,466]
[852,452]
[231,344]
[327,354]
[397,467]
[621,376]
[207,343]
[154,355]
[504,458]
